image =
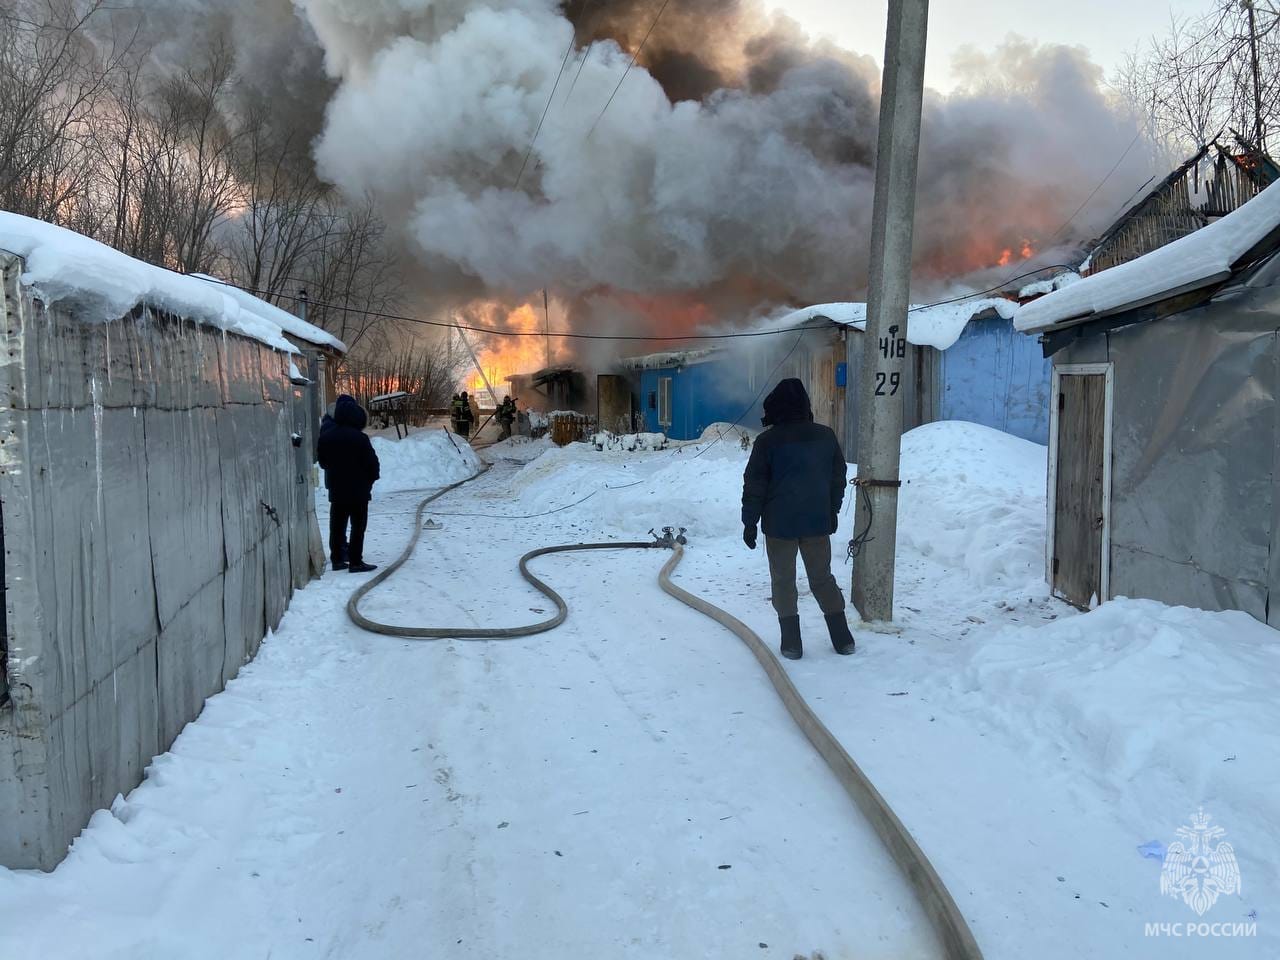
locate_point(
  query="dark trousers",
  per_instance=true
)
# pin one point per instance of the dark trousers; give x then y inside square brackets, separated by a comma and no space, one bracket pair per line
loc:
[816,554]
[462,427]
[339,514]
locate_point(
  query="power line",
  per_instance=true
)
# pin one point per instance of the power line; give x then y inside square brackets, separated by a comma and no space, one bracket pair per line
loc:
[570,335]
[551,96]
[1114,168]
[634,56]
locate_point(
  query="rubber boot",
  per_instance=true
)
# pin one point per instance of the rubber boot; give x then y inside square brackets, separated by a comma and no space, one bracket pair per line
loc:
[791,647]
[841,638]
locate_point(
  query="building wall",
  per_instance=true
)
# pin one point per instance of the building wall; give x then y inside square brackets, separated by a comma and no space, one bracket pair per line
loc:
[1194,510]
[997,377]
[701,394]
[156,520]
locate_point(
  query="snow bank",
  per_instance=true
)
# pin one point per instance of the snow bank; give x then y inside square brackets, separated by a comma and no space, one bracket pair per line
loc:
[104,284]
[1154,703]
[1189,262]
[429,458]
[973,499]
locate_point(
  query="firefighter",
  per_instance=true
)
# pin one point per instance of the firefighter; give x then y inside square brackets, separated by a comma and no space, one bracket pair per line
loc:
[506,416]
[462,415]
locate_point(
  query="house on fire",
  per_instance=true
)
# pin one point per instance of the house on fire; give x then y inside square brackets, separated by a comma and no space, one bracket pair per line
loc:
[156,513]
[1164,454]
[1211,183]
[964,362]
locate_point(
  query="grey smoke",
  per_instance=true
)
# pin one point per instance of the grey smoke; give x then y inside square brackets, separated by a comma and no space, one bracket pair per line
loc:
[733,167]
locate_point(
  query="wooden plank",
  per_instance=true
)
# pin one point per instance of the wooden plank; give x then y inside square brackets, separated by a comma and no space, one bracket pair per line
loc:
[1077,561]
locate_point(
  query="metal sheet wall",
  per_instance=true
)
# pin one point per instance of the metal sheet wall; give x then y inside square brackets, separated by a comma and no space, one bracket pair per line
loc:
[1193,490]
[157,520]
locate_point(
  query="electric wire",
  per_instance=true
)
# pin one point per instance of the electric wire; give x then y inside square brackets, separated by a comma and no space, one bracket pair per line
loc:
[634,56]
[550,97]
[571,335]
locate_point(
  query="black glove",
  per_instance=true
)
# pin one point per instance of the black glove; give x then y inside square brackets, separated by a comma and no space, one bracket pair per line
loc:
[749,536]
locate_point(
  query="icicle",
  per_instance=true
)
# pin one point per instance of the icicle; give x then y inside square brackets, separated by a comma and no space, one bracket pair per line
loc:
[97,439]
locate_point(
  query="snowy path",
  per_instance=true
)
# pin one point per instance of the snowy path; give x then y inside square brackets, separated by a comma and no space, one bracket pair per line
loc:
[576,793]
[626,786]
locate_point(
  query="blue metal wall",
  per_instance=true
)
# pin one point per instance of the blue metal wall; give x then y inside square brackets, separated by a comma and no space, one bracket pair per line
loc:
[701,394]
[997,377]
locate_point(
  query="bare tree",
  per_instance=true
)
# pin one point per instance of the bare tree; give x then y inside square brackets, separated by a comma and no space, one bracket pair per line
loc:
[51,76]
[1210,76]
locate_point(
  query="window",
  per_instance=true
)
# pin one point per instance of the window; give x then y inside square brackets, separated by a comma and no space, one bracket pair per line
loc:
[664,401]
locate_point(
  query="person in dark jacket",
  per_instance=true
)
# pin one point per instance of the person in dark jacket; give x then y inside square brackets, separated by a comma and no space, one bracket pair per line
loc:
[793,487]
[462,415]
[351,469]
[506,416]
[327,424]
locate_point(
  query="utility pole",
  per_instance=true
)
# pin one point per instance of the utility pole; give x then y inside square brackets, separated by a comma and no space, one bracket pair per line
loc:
[1257,84]
[885,340]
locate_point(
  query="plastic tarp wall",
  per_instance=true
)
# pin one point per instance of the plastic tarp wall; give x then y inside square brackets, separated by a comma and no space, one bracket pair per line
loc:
[999,378]
[1194,454]
[157,518]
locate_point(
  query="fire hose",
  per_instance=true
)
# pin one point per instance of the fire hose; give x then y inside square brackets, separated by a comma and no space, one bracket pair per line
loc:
[944,915]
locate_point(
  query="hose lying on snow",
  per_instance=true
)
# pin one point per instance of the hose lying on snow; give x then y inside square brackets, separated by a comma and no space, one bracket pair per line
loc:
[949,924]
[474,633]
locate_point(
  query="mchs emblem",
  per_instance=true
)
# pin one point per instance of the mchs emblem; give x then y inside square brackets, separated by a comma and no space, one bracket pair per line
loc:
[1197,869]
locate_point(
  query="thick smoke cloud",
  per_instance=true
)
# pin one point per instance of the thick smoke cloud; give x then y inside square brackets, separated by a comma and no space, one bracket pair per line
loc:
[733,168]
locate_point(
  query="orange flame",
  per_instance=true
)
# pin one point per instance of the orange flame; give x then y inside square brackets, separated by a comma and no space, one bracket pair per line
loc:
[503,357]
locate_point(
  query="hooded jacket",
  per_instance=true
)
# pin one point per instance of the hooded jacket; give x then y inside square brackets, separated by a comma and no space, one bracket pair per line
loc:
[346,455]
[795,479]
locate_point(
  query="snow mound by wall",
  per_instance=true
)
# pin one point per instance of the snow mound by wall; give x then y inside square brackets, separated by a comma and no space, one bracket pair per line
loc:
[1150,700]
[973,499]
[104,284]
[428,458]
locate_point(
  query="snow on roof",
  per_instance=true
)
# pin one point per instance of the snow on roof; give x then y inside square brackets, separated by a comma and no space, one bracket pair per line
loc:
[105,284]
[929,325]
[286,321]
[1188,263]
[669,358]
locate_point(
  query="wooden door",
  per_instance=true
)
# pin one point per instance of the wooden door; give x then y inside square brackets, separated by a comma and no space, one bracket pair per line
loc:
[1079,502]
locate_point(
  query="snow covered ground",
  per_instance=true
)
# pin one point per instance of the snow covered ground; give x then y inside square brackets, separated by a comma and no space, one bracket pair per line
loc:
[627,786]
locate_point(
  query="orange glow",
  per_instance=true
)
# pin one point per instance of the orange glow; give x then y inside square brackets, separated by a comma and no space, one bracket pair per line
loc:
[502,357]
[1006,258]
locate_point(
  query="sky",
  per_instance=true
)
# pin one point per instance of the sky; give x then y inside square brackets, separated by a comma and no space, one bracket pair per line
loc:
[1108,28]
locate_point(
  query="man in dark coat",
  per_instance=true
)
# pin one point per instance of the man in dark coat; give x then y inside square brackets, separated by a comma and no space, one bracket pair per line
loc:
[794,484]
[351,469]
[327,424]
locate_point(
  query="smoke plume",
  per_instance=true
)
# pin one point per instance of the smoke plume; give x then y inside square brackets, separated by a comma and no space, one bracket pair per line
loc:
[733,169]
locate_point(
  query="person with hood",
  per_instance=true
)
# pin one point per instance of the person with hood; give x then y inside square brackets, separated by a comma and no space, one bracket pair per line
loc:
[327,424]
[793,487]
[351,469]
